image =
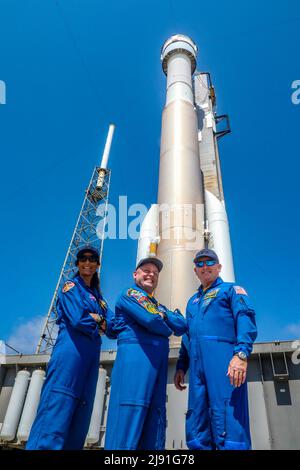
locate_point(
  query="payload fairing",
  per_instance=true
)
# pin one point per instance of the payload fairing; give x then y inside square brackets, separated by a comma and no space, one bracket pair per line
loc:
[190,213]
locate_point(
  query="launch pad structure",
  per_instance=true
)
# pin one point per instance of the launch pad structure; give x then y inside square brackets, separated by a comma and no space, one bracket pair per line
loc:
[89,230]
[273,389]
[190,181]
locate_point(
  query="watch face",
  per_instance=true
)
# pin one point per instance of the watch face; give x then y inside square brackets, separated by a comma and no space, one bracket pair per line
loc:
[242,355]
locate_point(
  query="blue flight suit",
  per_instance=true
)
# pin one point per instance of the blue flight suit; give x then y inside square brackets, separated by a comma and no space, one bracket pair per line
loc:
[137,406]
[221,322]
[68,393]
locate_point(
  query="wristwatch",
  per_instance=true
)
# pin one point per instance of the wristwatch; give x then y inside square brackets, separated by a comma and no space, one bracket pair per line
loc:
[100,323]
[241,355]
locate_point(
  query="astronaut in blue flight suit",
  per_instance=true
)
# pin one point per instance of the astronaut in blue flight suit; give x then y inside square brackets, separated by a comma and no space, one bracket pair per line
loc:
[68,393]
[137,405]
[219,339]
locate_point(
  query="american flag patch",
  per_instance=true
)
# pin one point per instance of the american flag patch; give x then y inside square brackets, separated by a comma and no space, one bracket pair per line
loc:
[240,290]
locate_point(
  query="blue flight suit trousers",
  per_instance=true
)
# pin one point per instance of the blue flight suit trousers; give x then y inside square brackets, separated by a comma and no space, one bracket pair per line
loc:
[221,322]
[217,416]
[67,398]
[137,418]
[137,406]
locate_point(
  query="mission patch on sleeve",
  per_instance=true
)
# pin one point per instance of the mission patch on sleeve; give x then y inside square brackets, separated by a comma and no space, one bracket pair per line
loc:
[135,293]
[67,286]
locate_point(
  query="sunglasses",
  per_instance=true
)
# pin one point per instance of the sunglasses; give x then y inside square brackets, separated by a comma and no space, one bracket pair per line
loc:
[209,262]
[91,259]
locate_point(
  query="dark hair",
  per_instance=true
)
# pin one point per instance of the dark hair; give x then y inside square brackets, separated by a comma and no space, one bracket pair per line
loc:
[95,282]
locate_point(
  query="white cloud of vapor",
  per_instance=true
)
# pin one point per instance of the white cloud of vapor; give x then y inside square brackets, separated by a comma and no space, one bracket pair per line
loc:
[294,329]
[26,335]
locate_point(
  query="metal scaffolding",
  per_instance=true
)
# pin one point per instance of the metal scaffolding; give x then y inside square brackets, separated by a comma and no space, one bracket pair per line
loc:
[89,229]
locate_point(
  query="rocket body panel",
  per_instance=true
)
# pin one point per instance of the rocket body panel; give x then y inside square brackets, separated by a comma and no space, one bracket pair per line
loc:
[149,233]
[177,280]
[209,166]
[179,79]
[216,215]
[208,149]
[190,191]
[180,179]
[180,191]
[219,234]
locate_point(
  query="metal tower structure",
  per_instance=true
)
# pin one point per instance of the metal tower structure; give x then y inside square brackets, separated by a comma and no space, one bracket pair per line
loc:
[89,229]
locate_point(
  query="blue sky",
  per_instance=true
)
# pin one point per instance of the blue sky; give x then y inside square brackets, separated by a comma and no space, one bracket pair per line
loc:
[73,66]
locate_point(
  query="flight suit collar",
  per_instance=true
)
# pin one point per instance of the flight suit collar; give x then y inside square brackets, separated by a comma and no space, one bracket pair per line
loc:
[217,282]
[203,298]
[85,286]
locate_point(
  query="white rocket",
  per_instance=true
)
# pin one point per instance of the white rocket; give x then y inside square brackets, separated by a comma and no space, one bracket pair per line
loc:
[190,213]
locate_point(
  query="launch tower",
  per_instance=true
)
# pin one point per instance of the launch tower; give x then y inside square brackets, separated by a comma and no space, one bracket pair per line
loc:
[89,229]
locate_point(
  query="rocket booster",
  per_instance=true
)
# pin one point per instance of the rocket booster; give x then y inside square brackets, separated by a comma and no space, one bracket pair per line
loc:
[215,210]
[180,190]
[190,212]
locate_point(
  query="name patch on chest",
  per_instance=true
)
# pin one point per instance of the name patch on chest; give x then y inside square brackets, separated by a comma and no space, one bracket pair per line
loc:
[211,294]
